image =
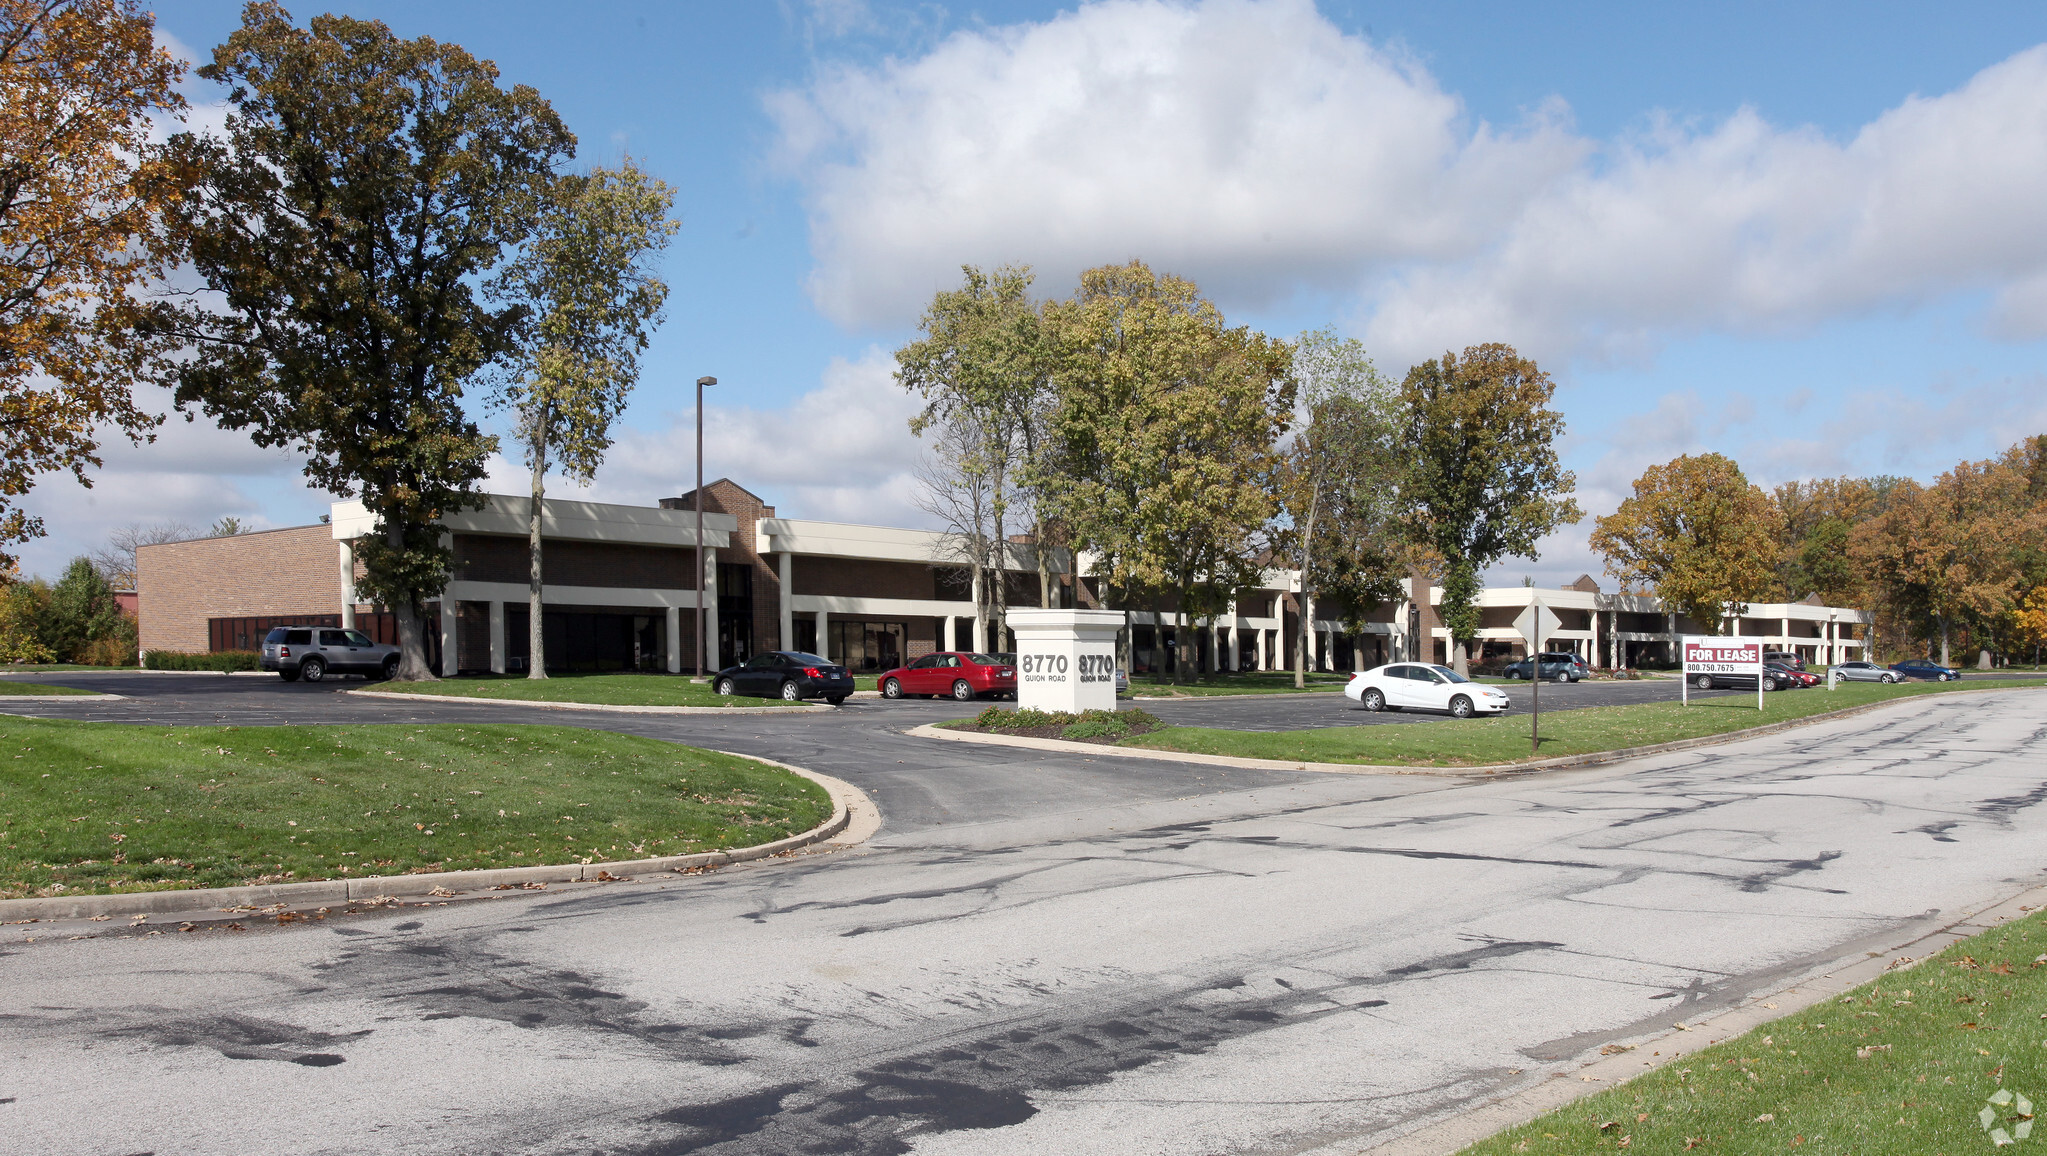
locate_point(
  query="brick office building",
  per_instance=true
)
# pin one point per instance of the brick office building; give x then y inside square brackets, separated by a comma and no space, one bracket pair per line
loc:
[620,590]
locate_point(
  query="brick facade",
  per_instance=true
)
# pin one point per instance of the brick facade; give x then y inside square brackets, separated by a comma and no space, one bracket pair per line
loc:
[724,496]
[180,585]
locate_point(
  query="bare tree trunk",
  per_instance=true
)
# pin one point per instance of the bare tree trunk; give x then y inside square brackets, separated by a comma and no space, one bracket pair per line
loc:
[536,633]
[412,665]
[1942,619]
[1044,566]
[1307,557]
[1000,600]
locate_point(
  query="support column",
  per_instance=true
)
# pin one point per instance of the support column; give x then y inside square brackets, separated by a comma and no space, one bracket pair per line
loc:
[980,627]
[788,620]
[1258,644]
[824,636]
[497,637]
[710,639]
[674,626]
[951,632]
[347,575]
[449,653]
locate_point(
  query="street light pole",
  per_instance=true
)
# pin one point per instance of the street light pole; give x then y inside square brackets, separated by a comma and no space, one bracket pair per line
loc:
[703,644]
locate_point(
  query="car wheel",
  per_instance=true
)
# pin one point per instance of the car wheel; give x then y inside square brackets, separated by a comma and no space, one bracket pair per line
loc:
[1568,678]
[962,690]
[389,670]
[835,699]
[791,692]
[891,689]
[1769,684]
[312,670]
[1374,701]
[725,687]
[1888,679]
[1460,707]
[1703,682]
[1945,676]
[288,675]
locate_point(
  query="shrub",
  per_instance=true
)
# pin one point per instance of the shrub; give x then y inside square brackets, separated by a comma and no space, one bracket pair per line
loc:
[115,651]
[21,613]
[1085,725]
[81,611]
[222,660]
[1096,729]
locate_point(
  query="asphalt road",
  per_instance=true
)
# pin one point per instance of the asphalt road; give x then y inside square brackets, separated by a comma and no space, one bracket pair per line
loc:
[1049,955]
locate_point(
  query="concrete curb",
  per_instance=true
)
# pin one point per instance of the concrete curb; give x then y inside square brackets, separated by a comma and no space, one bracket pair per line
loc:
[1561,1088]
[96,696]
[806,708]
[1594,758]
[853,814]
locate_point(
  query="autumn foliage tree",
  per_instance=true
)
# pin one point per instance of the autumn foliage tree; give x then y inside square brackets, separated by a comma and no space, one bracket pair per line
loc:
[366,190]
[1699,532]
[82,187]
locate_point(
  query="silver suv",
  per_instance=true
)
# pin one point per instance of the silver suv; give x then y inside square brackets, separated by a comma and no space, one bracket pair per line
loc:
[314,652]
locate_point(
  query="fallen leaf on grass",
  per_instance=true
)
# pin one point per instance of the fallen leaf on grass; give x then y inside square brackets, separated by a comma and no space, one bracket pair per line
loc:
[1866,1052]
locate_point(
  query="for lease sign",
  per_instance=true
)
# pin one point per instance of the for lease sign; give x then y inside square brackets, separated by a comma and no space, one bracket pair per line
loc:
[1709,655]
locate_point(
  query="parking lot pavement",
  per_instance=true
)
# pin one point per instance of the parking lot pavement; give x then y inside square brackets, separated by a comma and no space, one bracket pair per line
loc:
[1292,712]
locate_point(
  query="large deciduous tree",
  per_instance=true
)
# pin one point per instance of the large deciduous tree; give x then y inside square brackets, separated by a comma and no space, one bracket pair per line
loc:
[1168,422]
[1339,484]
[586,278]
[1485,482]
[1699,532]
[81,192]
[1956,548]
[366,189]
[982,368]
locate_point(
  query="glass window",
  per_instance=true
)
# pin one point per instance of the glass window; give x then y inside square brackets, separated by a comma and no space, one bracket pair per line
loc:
[767,661]
[948,660]
[800,658]
[991,660]
[1445,673]
[277,634]
[358,638]
[298,637]
[1396,672]
[925,663]
[333,638]
[1427,674]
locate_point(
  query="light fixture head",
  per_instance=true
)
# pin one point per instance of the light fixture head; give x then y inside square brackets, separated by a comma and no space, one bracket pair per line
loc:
[707,381]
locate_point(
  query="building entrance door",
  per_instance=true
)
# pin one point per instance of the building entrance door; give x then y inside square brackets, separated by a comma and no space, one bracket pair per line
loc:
[735,613]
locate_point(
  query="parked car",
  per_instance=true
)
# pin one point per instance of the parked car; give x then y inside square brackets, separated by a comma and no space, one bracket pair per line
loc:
[314,652]
[1784,658]
[1557,667]
[1774,678]
[790,675]
[958,674]
[1927,669]
[1415,686]
[1866,672]
[1791,676]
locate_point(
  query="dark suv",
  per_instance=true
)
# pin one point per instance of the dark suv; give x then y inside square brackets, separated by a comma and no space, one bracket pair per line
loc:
[314,652]
[1555,665]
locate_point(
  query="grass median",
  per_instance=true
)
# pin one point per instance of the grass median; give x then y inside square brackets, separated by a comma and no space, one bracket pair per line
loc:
[1908,1063]
[1258,682]
[105,807]
[595,689]
[1445,742]
[9,686]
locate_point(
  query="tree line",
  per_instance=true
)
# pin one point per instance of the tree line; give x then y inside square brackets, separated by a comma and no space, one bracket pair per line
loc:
[1186,457]
[1956,566]
[381,229]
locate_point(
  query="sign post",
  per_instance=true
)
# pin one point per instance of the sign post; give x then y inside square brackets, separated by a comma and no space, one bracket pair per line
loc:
[1706,654]
[1534,625]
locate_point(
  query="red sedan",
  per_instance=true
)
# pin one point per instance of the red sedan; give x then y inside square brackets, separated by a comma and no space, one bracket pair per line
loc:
[953,673]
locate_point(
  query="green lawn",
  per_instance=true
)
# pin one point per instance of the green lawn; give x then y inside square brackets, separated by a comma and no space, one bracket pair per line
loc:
[1447,742]
[601,689]
[9,686]
[1904,1064]
[42,667]
[98,807]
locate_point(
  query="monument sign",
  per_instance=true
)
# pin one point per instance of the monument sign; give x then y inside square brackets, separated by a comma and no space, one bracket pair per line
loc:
[1066,659]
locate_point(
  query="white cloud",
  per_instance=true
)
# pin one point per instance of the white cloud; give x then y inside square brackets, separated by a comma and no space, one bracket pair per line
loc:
[1255,147]
[1250,145]
[841,452]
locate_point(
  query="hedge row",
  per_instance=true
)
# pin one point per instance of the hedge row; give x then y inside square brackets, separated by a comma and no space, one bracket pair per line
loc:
[218,660]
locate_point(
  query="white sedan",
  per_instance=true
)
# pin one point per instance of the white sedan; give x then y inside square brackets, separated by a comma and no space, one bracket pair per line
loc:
[1418,686]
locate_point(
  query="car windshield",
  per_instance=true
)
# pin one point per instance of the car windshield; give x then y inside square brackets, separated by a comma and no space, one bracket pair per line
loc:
[1452,675]
[986,660]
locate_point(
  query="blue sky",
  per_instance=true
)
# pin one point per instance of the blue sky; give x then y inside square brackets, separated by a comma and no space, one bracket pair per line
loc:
[1812,239]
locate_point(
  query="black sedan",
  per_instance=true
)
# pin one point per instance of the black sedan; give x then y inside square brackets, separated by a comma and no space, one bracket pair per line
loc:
[1927,669]
[1775,677]
[790,675]
[1556,666]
